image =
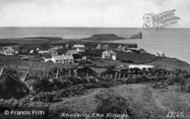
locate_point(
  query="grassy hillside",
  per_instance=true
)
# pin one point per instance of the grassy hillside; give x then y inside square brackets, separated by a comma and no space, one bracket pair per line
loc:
[138,101]
[170,63]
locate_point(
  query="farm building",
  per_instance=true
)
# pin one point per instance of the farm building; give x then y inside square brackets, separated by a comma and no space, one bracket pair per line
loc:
[47,58]
[68,59]
[8,50]
[63,59]
[109,54]
[97,53]
[79,48]
[53,52]
[122,48]
[57,47]
[72,52]
[43,50]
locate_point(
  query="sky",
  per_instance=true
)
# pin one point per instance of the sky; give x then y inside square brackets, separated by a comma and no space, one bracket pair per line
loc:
[87,13]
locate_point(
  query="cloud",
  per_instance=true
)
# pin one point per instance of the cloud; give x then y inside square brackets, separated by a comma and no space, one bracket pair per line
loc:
[84,13]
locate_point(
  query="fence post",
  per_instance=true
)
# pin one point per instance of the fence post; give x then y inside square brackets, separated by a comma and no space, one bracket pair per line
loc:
[128,76]
[119,75]
[1,72]
[155,75]
[75,72]
[124,76]
[57,74]
[69,72]
[111,76]
[116,75]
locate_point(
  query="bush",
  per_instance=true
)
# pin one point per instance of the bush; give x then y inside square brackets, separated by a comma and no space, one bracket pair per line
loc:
[11,87]
[115,105]
[44,96]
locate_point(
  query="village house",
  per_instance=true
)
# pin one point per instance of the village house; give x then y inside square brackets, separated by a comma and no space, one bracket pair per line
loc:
[79,48]
[68,59]
[109,54]
[72,52]
[98,47]
[57,47]
[47,58]
[135,50]
[53,52]
[63,59]
[8,50]
[160,54]
[122,48]
[42,51]
[106,47]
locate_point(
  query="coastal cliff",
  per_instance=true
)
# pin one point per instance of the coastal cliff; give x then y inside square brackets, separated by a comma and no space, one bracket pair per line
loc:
[136,36]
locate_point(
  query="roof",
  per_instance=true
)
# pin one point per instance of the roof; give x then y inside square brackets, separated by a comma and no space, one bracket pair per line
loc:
[98,46]
[8,49]
[47,56]
[105,46]
[63,57]
[57,47]
[43,48]
[52,50]
[68,57]
[59,57]
[133,48]
[72,52]
[78,46]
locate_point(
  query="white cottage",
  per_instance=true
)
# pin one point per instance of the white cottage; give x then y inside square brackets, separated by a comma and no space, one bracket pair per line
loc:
[63,59]
[79,48]
[109,54]
[8,50]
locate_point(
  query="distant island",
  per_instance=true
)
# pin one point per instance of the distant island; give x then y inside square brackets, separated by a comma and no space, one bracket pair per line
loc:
[104,37]
[111,37]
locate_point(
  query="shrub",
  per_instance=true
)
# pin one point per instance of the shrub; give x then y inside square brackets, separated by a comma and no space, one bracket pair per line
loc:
[114,104]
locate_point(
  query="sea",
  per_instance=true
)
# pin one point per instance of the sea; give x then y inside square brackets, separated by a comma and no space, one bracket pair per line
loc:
[174,42]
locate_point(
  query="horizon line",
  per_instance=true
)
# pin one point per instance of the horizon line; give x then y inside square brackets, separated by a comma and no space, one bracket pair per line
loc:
[83,27]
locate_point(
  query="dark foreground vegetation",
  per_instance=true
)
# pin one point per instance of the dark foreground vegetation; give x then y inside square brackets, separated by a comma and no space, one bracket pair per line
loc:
[17,93]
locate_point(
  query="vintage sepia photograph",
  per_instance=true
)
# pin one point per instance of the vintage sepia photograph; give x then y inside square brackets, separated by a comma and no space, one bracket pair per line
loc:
[94,59]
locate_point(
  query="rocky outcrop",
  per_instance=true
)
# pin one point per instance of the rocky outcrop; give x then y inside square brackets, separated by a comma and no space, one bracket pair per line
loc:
[137,36]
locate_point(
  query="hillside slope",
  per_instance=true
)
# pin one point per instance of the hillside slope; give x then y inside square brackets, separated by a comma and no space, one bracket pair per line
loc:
[137,101]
